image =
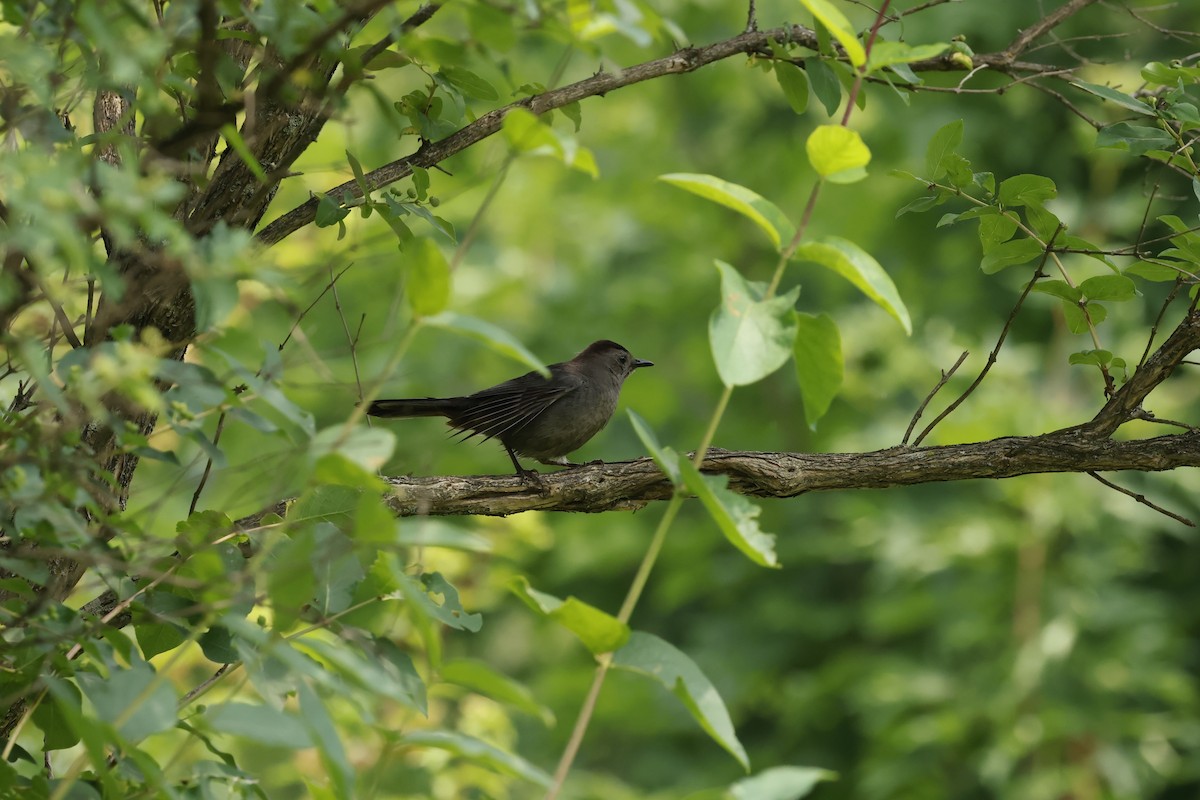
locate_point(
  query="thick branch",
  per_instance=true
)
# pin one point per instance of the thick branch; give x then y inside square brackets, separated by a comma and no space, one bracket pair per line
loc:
[1126,402]
[633,484]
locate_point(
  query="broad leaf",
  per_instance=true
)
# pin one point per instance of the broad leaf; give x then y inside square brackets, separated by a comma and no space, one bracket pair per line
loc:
[837,153]
[1108,287]
[134,700]
[496,338]
[857,266]
[944,143]
[837,24]
[794,83]
[1007,254]
[734,514]
[758,209]
[478,752]
[780,783]
[428,277]
[259,723]
[1021,190]
[1113,95]
[818,355]
[599,632]
[664,457]
[481,677]
[670,666]
[750,337]
[886,54]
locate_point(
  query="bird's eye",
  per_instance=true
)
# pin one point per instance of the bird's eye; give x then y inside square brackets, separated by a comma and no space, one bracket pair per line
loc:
[624,359]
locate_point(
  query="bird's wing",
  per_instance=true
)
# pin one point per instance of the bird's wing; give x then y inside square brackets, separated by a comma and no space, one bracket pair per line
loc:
[511,405]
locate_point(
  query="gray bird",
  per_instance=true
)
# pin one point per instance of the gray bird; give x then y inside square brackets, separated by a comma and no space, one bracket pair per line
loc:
[534,416]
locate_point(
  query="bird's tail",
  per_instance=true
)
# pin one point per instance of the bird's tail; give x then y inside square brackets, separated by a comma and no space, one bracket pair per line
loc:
[416,407]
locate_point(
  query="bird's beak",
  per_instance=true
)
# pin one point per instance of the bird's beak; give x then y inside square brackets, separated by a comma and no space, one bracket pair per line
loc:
[637,362]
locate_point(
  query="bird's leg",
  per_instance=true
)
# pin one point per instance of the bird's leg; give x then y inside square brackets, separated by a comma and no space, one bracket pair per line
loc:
[561,461]
[527,475]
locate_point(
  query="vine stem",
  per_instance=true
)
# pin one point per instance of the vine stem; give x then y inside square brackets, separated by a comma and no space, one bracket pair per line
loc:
[604,661]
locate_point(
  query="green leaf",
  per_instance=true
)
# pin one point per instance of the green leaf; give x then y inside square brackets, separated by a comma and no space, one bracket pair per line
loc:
[600,632]
[232,135]
[1060,289]
[735,515]
[324,734]
[159,637]
[1007,254]
[378,666]
[837,24]
[1077,322]
[329,212]
[528,134]
[1044,223]
[428,277]
[780,783]
[1097,357]
[368,448]
[818,355]
[825,84]
[1109,287]
[1115,96]
[750,337]
[761,211]
[1154,272]
[498,339]
[794,84]
[431,532]
[994,229]
[481,677]
[259,723]
[922,203]
[290,580]
[664,457]
[54,721]
[837,153]
[651,656]
[885,54]
[1021,190]
[478,752]
[469,83]
[134,700]
[944,143]
[857,266]
[357,169]
[1170,74]
[449,611]
[1137,139]
[215,298]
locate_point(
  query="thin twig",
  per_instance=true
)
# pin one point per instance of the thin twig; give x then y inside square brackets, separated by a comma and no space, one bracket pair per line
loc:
[207,465]
[1141,498]
[337,304]
[1043,25]
[1038,273]
[1171,295]
[946,375]
[303,313]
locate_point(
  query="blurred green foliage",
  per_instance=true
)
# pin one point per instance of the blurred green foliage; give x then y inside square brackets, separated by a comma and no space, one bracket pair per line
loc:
[1028,638]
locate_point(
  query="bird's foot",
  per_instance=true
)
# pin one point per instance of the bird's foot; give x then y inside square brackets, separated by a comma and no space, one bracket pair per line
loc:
[532,478]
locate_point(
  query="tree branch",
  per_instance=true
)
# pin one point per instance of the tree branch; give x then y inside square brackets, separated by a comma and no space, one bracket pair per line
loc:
[680,62]
[630,485]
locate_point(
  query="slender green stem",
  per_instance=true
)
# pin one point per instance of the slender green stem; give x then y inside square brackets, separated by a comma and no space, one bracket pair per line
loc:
[706,442]
[660,534]
[605,661]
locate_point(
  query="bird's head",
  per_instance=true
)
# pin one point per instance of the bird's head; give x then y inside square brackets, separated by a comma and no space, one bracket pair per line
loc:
[611,356]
